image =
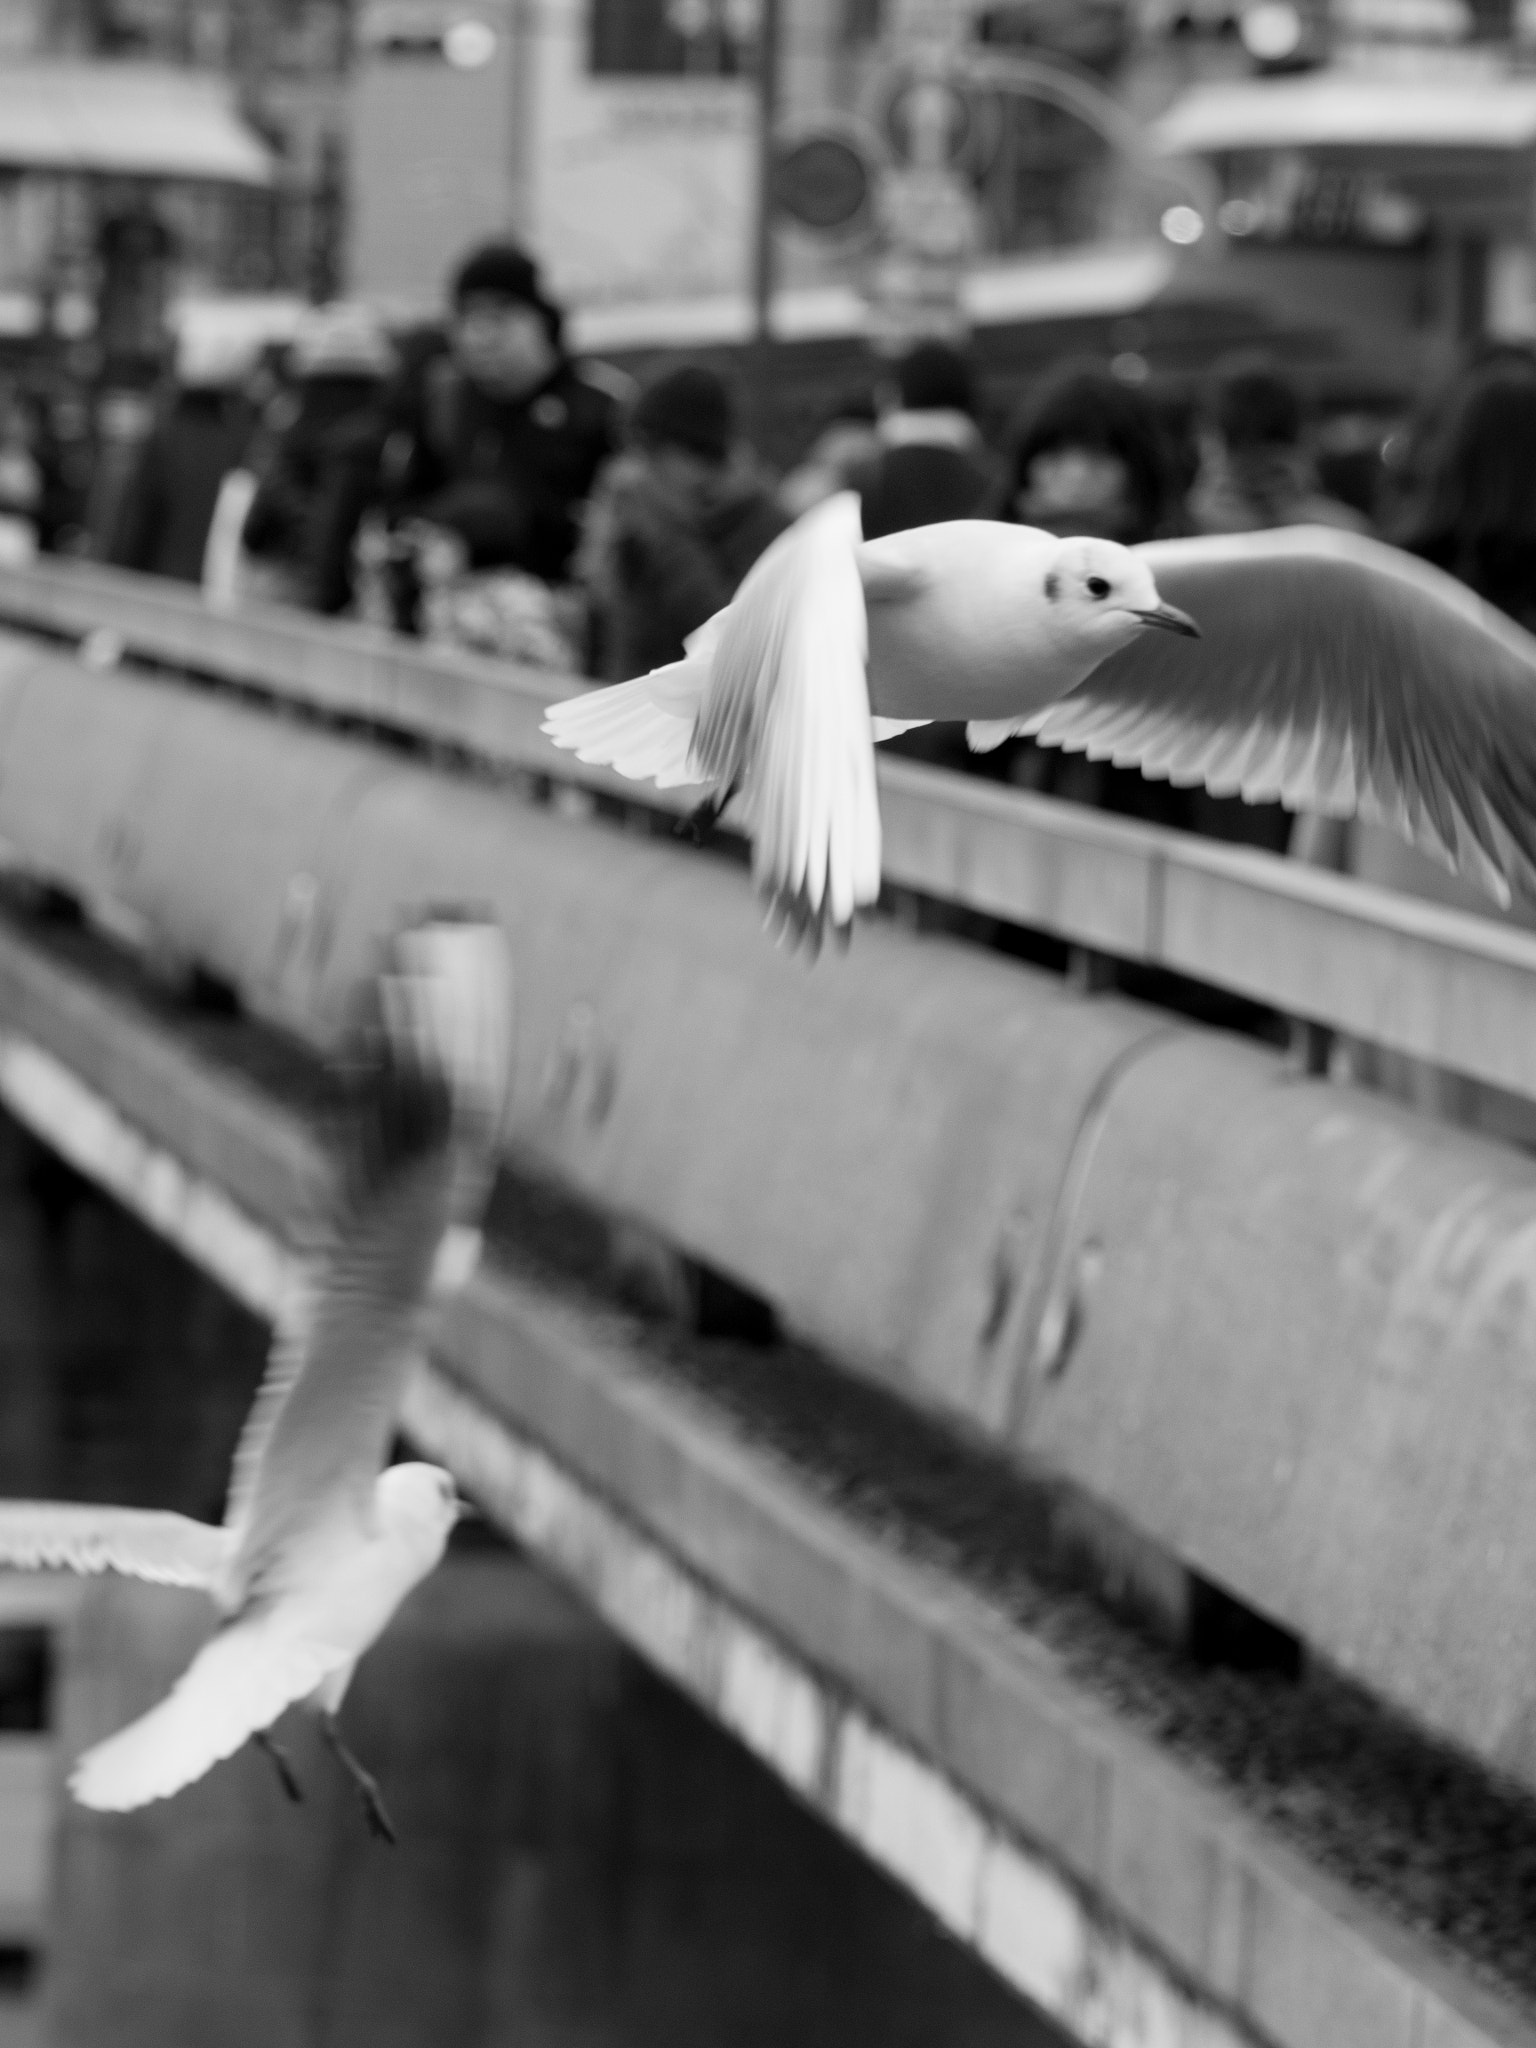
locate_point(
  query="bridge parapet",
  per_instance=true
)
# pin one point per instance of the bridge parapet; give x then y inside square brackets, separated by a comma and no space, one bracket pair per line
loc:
[1416,977]
[1239,1309]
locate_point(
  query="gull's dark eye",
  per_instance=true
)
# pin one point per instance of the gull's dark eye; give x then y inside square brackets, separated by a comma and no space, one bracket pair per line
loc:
[1098,586]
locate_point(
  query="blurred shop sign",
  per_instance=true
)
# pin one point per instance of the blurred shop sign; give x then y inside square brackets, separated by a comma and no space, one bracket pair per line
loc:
[1292,198]
[824,179]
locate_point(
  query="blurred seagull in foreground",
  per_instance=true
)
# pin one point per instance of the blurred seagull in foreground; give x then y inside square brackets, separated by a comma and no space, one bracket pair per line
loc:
[1326,670]
[321,1541]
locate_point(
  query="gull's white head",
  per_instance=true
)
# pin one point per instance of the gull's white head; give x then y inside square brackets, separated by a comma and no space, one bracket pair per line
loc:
[1102,593]
[419,1503]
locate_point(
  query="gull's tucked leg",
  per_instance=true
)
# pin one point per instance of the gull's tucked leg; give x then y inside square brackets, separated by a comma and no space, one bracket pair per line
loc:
[281,1763]
[379,1822]
[701,821]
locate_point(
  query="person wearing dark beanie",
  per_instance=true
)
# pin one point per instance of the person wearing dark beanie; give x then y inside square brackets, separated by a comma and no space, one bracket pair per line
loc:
[502,271]
[675,523]
[1256,470]
[484,450]
[688,408]
[931,464]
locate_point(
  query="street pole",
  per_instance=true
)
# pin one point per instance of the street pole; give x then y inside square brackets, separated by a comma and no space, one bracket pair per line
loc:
[763,242]
[522,51]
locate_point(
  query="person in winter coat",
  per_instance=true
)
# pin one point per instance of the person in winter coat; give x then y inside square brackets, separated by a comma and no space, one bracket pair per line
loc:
[490,444]
[675,524]
[930,463]
[1255,471]
[1091,455]
[1475,518]
[202,432]
[1095,455]
[336,368]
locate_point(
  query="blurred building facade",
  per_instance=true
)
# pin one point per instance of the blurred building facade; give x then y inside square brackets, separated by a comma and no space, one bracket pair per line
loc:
[282,64]
[620,139]
[612,140]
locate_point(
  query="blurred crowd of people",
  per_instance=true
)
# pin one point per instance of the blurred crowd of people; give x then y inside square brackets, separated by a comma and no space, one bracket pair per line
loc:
[480,486]
[476,483]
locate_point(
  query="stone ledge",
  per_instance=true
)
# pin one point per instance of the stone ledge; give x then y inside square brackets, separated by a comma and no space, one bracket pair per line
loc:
[1135,1903]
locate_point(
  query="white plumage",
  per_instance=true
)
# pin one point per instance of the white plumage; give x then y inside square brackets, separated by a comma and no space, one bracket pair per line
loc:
[772,704]
[321,1542]
[169,1550]
[1331,672]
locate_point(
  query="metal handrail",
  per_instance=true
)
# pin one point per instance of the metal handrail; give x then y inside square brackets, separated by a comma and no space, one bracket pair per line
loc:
[1442,984]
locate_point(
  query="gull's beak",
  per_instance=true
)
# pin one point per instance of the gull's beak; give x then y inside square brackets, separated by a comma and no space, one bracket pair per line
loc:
[1171,619]
[465,1510]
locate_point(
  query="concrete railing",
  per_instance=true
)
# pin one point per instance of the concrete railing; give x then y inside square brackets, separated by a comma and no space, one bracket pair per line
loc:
[1440,984]
[1282,1328]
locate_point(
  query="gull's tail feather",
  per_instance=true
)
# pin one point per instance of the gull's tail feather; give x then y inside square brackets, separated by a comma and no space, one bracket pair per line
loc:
[143,1543]
[239,1682]
[641,729]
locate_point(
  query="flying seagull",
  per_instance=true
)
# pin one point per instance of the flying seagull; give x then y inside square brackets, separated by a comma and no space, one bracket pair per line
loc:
[1326,670]
[321,1540]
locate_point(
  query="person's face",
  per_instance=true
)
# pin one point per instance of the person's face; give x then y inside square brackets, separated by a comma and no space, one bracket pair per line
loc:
[502,345]
[1077,490]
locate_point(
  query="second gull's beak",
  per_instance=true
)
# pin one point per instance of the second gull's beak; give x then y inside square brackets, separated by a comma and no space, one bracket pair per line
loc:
[1171,619]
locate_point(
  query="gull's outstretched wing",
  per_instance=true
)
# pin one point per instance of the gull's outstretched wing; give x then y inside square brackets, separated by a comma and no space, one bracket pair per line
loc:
[143,1543]
[1335,674]
[787,720]
[319,1430]
[239,1682]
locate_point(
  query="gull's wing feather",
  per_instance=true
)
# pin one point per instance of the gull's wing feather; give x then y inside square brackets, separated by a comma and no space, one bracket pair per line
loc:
[239,1682]
[787,718]
[642,729]
[143,1543]
[320,1428]
[1335,674]
[985,735]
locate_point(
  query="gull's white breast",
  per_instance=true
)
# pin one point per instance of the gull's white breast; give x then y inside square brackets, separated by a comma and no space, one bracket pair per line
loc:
[979,639]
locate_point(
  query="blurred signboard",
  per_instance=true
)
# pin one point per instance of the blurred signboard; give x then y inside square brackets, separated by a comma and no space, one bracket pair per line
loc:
[1292,198]
[824,180]
[1349,156]
[929,116]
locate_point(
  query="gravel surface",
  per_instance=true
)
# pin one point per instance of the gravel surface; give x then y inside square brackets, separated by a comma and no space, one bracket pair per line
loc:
[1427,1834]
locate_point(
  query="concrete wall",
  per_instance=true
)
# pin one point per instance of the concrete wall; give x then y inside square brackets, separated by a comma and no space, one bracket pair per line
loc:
[103,1332]
[584,1860]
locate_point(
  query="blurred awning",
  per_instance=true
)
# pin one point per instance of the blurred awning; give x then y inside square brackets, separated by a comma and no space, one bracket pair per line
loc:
[1461,147]
[1347,110]
[130,120]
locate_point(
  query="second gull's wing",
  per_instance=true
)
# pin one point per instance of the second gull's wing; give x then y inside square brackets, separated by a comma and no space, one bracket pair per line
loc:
[319,1431]
[787,719]
[143,1543]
